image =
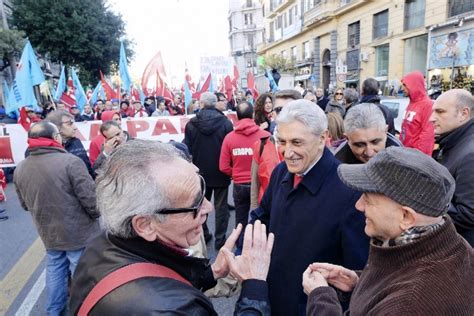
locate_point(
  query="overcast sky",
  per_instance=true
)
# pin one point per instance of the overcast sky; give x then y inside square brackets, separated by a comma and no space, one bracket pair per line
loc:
[183,30]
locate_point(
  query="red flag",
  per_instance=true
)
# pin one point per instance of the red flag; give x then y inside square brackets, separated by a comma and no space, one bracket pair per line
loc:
[109,92]
[161,89]
[251,84]
[154,66]
[236,77]
[228,88]
[135,94]
[204,88]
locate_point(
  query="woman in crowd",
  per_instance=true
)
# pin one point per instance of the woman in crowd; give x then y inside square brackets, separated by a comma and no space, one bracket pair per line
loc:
[336,130]
[263,111]
[336,103]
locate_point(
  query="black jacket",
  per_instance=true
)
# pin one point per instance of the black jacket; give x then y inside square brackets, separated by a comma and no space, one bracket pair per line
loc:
[344,153]
[375,99]
[87,117]
[457,154]
[152,296]
[74,146]
[322,102]
[204,135]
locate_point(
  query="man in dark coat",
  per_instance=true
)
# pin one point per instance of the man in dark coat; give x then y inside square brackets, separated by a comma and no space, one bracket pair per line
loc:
[153,205]
[204,135]
[73,145]
[453,118]
[418,264]
[55,187]
[366,134]
[370,94]
[308,208]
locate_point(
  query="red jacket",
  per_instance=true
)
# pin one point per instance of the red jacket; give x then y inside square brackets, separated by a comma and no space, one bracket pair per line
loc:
[265,163]
[417,130]
[237,152]
[96,144]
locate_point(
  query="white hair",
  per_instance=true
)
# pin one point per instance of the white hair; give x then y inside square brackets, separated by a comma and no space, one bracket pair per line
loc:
[305,112]
[126,186]
[208,99]
[364,116]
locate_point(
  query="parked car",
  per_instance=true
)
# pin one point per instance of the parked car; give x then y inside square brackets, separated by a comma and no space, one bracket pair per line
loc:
[398,107]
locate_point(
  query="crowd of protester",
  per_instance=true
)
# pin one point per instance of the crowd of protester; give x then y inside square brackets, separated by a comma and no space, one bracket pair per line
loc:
[335,211]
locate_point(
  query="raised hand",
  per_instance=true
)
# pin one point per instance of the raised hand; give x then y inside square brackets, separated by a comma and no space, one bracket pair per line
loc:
[220,267]
[255,259]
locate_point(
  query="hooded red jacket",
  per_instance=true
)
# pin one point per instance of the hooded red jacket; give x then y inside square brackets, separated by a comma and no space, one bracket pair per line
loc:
[237,152]
[417,131]
[96,144]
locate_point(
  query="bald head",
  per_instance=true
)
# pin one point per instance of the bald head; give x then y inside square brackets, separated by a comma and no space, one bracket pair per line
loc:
[451,110]
[244,110]
[43,129]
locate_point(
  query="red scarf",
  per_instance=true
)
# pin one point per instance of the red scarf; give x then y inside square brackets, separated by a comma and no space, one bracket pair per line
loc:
[43,142]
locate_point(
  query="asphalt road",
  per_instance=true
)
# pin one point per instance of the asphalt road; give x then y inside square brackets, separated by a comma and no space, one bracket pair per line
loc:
[22,263]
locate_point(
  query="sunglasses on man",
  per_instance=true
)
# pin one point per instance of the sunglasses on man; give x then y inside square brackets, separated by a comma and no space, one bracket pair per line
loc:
[194,210]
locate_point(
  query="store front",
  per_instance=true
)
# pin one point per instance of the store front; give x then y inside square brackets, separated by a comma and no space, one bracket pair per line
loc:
[451,56]
[303,76]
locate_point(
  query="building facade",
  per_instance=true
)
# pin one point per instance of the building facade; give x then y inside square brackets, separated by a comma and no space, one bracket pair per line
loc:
[342,42]
[245,34]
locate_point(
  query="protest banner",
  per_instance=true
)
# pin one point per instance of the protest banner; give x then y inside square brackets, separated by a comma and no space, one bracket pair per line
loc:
[13,137]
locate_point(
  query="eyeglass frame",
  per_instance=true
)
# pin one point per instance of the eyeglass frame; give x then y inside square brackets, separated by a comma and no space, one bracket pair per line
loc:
[278,109]
[196,209]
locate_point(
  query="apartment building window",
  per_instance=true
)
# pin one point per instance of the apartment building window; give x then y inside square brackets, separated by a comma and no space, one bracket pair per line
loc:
[284,53]
[248,18]
[278,23]
[415,53]
[306,50]
[353,34]
[294,53]
[414,14]
[290,16]
[250,40]
[457,7]
[285,20]
[381,60]
[380,24]
[249,3]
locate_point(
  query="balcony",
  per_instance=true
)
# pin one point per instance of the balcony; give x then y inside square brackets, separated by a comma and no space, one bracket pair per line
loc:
[319,12]
[276,8]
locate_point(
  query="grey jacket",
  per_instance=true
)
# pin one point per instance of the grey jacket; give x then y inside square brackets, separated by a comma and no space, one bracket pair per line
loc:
[57,189]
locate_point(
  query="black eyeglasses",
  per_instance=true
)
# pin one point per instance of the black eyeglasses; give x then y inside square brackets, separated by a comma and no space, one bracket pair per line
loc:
[338,93]
[278,109]
[194,209]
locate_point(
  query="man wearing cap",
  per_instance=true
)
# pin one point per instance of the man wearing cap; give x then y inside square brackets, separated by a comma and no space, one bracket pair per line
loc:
[366,132]
[453,119]
[308,208]
[418,264]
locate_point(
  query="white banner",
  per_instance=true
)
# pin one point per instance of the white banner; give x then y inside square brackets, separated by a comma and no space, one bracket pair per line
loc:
[217,65]
[13,137]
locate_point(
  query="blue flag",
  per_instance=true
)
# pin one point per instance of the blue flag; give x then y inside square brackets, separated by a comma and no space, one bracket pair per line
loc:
[6,95]
[273,84]
[96,94]
[124,74]
[81,98]
[28,74]
[212,84]
[61,85]
[187,96]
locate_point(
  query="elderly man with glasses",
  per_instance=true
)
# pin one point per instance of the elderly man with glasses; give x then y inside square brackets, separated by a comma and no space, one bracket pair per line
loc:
[153,205]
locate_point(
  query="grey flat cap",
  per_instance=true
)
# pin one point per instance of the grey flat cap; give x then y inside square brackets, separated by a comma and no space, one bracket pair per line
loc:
[405,175]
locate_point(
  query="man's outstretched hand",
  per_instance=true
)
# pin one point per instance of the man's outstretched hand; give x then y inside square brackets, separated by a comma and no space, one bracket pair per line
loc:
[254,261]
[220,267]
